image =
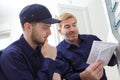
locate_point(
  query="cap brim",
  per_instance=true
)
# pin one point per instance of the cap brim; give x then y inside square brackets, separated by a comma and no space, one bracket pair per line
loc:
[50,21]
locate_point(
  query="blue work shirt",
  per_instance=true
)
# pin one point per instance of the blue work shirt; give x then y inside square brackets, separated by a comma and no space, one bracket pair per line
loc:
[20,61]
[71,59]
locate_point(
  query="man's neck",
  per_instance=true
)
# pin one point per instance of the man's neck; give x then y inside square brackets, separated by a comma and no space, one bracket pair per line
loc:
[73,42]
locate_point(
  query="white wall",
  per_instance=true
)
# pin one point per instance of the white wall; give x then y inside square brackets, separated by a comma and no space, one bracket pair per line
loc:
[98,19]
[101,27]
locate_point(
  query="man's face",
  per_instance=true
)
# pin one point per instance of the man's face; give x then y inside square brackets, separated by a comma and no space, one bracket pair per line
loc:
[40,33]
[69,29]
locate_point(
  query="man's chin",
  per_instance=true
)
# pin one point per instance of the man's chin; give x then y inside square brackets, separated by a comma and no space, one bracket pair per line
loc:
[43,41]
[72,39]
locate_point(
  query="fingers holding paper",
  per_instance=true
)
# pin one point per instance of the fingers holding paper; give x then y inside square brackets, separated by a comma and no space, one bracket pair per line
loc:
[93,71]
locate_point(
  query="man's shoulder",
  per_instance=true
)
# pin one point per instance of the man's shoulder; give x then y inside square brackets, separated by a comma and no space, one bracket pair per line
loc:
[60,44]
[87,35]
[13,48]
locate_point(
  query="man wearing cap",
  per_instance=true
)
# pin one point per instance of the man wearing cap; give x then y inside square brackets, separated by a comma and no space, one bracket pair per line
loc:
[31,57]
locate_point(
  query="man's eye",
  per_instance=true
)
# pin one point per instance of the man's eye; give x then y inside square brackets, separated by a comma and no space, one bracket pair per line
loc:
[45,28]
[74,25]
[67,26]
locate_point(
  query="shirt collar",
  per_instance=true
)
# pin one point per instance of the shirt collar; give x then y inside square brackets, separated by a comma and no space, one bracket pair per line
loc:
[68,45]
[28,50]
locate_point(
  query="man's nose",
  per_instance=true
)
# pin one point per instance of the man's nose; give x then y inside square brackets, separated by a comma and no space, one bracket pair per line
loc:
[49,32]
[72,28]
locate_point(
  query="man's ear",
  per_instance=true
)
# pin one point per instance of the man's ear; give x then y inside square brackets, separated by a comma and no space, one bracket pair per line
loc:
[59,30]
[27,26]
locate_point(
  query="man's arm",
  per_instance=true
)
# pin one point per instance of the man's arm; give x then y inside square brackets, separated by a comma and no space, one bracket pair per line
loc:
[93,71]
[113,61]
[16,68]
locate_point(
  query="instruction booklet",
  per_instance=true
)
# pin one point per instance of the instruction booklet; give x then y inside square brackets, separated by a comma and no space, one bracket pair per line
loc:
[101,50]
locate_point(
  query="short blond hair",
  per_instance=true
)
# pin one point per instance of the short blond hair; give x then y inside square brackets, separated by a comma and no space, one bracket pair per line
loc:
[65,16]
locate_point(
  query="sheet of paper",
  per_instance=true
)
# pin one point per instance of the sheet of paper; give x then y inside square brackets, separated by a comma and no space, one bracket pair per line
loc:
[101,50]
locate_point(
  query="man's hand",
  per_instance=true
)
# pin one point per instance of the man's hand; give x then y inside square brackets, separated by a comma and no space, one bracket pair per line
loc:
[93,71]
[48,51]
[56,76]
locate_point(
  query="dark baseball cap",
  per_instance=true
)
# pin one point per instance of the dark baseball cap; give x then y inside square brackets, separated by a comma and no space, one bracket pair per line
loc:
[36,13]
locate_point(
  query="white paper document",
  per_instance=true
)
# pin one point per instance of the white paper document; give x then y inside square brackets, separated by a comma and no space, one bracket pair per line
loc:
[101,50]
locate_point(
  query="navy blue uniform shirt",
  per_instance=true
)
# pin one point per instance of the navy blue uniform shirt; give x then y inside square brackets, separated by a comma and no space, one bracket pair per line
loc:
[71,59]
[21,62]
